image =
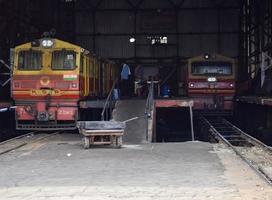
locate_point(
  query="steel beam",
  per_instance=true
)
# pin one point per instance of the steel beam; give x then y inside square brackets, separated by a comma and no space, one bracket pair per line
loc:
[158,33]
[255,36]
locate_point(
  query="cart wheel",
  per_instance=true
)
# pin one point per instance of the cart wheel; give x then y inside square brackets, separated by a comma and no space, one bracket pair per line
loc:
[119,142]
[86,141]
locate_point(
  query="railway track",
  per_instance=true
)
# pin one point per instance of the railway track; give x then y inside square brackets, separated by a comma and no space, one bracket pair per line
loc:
[23,140]
[255,153]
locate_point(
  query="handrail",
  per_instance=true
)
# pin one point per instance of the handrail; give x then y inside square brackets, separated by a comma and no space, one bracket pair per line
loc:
[108,100]
[150,98]
[148,109]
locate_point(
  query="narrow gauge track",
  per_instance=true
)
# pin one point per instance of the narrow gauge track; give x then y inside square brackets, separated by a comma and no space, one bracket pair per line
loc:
[255,153]
[23,140]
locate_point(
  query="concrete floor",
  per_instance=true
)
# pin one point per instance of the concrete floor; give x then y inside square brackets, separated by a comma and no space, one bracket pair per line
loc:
[59,168]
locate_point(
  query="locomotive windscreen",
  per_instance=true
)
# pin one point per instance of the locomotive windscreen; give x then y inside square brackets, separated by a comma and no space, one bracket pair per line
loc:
[63,60]
[30,60]
[211,68]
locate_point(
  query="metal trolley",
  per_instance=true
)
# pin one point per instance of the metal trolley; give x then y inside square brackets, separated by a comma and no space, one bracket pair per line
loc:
[101,133]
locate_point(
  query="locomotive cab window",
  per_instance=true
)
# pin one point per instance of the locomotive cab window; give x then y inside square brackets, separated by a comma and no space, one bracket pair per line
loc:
[63,60]
[211,68]
[30,60]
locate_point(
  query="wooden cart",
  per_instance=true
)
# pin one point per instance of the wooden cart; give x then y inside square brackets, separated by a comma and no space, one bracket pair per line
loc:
[101,133]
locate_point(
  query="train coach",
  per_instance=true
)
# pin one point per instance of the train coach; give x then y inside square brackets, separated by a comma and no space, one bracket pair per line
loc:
[211,83]
[51,77]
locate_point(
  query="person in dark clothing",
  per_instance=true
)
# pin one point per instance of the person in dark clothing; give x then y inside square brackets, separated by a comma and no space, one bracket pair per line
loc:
[125,79]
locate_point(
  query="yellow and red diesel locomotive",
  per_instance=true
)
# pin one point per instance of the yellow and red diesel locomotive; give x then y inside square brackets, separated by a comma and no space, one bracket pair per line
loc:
[211,83]
[50,77]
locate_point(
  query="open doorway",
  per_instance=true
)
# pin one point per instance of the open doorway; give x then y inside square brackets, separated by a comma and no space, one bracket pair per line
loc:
[173,125]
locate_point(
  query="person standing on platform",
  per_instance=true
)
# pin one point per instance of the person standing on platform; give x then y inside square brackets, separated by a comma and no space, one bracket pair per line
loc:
[125,74]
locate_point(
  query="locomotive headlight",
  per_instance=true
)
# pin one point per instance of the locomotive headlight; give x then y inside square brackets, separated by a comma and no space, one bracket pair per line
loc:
[73,85]
[231,85]
[29,109]
[212,79]
[191,85]
[47,43]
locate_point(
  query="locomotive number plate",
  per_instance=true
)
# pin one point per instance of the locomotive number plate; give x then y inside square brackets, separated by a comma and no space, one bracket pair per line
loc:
[45,92]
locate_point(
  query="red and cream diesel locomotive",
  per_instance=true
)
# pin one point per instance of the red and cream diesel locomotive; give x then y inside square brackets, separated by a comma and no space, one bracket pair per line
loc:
[49,79]
[211,83]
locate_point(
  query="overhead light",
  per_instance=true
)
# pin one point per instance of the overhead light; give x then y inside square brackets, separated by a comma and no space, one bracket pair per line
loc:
[163,40]
[206,56]
[47,43]
[132,40]
[212,79]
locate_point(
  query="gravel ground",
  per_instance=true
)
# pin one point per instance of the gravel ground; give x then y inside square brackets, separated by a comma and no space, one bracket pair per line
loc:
[258,157]
[237,172]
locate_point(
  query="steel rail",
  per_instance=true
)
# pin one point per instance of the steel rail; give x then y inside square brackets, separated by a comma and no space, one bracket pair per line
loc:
[25,143]
[249,139]
[18,137]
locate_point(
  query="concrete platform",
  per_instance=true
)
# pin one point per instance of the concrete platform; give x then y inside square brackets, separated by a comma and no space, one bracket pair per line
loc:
[174,102]
[265,101]
[59,168]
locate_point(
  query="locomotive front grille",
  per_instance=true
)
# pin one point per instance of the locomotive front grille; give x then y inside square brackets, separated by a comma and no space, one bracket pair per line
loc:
[31,125]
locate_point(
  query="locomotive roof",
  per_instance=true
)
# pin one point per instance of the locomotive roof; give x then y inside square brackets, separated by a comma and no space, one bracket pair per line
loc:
[57,44]
[212,58]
